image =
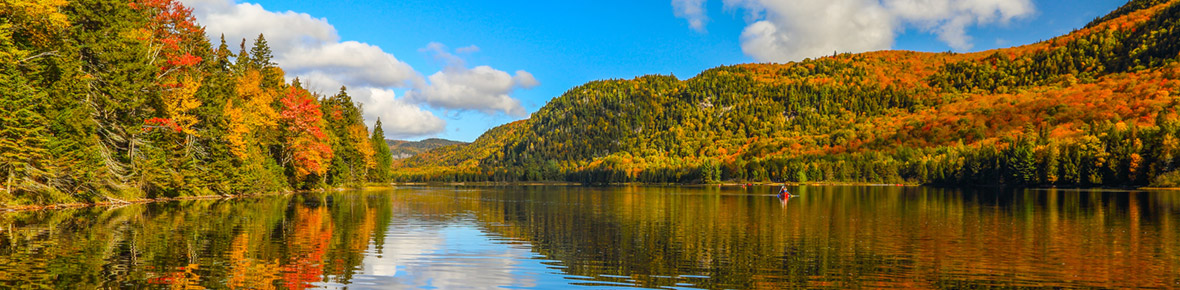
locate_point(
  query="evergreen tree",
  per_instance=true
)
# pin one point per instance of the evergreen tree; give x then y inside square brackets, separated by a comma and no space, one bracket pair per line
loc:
[1020,162]
[348,164]
[22,132]
[260,53]
[222,62]
[381,151]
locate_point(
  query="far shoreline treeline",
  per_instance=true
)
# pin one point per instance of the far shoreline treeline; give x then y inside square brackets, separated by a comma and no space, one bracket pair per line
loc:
[1093,108]
[111,100]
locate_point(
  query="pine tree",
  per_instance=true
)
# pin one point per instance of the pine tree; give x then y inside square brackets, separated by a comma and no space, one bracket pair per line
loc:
[22,132]
[381,151]
[260,54]
[221,62]
[1021,163]
[242,63]
[343,116]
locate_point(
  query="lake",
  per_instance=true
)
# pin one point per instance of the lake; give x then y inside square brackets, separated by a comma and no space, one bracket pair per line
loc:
[552,237]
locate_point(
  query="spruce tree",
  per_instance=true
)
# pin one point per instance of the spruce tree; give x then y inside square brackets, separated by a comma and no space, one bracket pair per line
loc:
[222,63]
[260,54]
[383,156]
[22,131]
[1020,163]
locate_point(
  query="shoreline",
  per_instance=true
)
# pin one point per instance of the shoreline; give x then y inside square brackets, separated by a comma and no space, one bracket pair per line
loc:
[77,205]
[723,184]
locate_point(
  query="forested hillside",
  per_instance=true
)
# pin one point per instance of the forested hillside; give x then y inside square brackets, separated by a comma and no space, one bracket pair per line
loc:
[111,100]
[406,149]
[1096,107]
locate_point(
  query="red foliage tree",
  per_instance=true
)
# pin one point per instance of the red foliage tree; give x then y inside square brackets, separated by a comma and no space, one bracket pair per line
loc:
[306,144]
[178,39]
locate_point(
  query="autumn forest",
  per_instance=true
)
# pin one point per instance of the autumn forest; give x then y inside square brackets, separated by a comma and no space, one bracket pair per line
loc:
[109,100]
[1094,108]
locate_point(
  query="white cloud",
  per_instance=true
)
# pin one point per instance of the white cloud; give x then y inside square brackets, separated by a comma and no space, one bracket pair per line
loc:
[950,19]
[352,62]
[693,11]
[467,49]
[790,30]
[283,30]
[793,30]
[440,53]
[310,48]
[481,88]
[303,44]
[525,79]
[399,119]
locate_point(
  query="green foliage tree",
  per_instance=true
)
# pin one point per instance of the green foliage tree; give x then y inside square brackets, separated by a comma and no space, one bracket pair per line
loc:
[381,151]
[1020,163]
[23,137]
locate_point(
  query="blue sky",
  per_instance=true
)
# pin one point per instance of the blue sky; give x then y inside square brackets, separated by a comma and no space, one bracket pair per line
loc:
[464,67]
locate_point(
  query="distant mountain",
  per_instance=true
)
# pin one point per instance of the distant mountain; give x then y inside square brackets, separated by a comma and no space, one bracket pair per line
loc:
[406,149]
[1095,107]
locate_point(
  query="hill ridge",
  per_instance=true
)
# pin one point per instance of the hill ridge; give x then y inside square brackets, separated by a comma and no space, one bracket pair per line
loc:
[1095,107]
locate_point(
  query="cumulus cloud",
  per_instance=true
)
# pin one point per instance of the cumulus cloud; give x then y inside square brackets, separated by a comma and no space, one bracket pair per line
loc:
[481,88]
[283,30]
[950,19]
[525,79]
[693,11]
[351,62]
[311,49]
[790,30]
[794,30]
[303,44]
[401,118]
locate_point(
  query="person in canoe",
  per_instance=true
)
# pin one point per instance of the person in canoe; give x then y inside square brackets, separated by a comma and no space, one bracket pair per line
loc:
[783,193]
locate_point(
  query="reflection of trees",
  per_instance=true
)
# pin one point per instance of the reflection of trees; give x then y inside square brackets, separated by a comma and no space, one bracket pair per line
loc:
[843,236]
[247,272]
[264,243]
[306,247]
[707,237]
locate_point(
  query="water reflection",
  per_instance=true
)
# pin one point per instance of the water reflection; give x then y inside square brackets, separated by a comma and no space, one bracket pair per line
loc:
[563,237]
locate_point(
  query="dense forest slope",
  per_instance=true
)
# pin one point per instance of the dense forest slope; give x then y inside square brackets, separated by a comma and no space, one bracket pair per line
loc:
[1096,107]
[405,149]
[112,100]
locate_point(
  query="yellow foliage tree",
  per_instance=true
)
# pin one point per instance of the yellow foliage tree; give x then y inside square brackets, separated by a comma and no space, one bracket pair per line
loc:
[251,112]
[358,134]
[180,98]
[39,20]
[236,130]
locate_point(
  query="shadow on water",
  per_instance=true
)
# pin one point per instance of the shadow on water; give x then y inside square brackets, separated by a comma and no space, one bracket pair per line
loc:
[633,236]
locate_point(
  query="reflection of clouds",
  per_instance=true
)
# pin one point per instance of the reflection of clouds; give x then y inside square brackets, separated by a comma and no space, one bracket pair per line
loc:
[401,244]
[420,254]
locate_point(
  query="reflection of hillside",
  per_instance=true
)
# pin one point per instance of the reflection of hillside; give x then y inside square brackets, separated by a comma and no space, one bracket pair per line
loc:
[843,237]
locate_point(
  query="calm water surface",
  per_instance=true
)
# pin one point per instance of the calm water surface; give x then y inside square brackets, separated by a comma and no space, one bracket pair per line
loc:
[578,237]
